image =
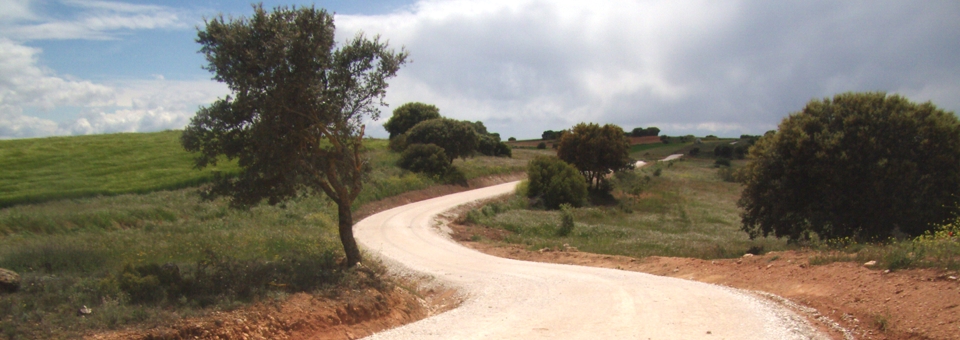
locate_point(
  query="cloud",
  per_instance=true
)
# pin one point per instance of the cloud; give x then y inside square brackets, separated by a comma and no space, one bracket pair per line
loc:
[33,99]
[23,83]
[27,91]
[686,66]
[94,20]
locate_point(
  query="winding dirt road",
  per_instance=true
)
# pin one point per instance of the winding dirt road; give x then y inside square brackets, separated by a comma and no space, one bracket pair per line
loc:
[509,299]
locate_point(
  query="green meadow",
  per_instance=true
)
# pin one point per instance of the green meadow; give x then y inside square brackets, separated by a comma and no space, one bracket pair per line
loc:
[44,169]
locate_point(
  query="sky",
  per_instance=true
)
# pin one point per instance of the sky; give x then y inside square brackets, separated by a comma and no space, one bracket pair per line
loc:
[726,68]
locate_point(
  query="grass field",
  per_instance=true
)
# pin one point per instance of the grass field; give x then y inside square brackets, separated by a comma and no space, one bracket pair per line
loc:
[44,169]
[688,210]
[109,252]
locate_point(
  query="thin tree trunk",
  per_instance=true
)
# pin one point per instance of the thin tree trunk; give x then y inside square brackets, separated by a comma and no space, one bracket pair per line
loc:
[345,217]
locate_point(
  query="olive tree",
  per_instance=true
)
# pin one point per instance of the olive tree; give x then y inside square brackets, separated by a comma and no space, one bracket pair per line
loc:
[596,151]
[294,119]
[861,165]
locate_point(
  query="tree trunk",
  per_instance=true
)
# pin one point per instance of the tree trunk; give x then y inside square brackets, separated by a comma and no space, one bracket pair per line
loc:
[345,217]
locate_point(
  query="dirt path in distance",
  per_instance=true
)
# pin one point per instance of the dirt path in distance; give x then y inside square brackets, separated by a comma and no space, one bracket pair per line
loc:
[870,304]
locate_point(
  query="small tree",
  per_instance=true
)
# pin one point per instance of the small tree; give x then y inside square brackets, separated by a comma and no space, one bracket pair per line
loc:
[555,182]
[596,151]
[861,165]
[458,139]
[409,115]
[294,120]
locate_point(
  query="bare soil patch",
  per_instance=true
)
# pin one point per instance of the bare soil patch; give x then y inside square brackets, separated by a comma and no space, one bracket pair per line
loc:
[870,304]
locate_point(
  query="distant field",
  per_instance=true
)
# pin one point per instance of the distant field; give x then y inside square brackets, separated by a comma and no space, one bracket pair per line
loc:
[44,169]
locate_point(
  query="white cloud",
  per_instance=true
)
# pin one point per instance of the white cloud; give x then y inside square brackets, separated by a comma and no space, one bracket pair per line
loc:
[30,93]
[95,20]
[24,83]
[27,90]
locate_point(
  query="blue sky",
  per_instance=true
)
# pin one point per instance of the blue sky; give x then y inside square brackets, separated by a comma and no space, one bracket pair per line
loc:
[71,67]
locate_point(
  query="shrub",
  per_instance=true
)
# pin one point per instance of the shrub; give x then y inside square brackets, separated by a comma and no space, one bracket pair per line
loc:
[555,182]
[398,143]
[425,158]
[503,150]
[566,220]
[458,139]
[512,139]
[542,145]
[694,151]
[723,151]
[721,162]
[728,174]
[453,175]
[490,145]
[629,182]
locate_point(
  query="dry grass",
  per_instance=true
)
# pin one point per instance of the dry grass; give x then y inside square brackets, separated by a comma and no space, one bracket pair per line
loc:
[687,211]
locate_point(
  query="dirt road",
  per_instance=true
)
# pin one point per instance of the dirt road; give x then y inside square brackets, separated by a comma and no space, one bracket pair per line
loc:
[510,299]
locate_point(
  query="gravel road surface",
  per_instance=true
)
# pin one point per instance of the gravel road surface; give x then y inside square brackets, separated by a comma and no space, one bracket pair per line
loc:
[509,299]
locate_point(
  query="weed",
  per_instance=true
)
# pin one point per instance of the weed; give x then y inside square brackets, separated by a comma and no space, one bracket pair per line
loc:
[881,322]
[566,221]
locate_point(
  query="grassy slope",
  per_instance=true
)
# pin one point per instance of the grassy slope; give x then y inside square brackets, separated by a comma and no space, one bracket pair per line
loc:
[43,169]
[72,252]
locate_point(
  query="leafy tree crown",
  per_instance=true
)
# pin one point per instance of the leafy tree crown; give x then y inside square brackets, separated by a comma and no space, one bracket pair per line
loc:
[861,165]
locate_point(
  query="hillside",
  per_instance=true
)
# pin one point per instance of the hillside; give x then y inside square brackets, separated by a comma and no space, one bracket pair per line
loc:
[45,169]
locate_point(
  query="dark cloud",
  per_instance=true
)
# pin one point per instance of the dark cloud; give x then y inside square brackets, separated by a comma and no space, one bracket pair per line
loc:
[689,67]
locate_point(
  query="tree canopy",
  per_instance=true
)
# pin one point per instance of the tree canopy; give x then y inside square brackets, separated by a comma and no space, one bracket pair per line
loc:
[458,139]
[294,119]
[408,115]
[862,165]
[596,151]
[641,132]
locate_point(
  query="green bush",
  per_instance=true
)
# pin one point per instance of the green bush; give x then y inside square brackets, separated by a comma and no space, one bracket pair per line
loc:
[566,220]
[728,174]
[425,158]
[453,175]
[458,139]
[398,143]
[542,145]
[503,150]
[629,182]
[554,182]
[721,162]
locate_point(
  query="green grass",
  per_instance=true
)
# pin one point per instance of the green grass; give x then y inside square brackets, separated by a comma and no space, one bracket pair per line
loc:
[104,251]
[45,169]
[687,211]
